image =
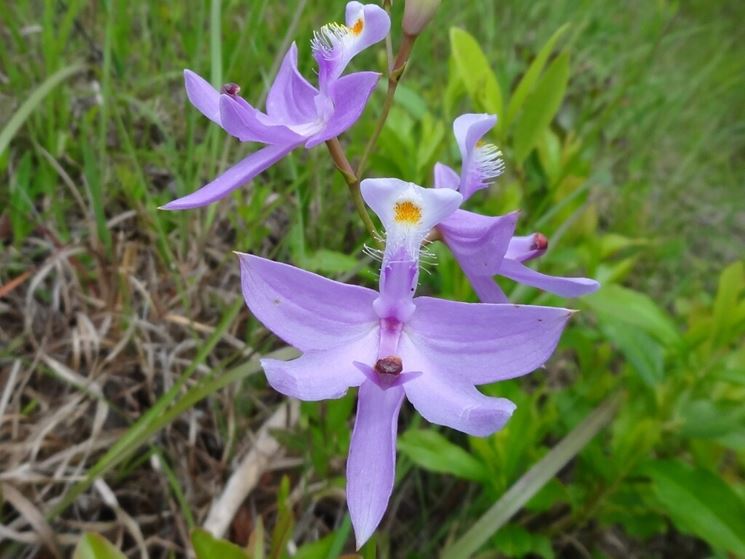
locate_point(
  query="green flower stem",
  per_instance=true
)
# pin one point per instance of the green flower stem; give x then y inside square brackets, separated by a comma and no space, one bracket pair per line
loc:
[345,168]
[393,78]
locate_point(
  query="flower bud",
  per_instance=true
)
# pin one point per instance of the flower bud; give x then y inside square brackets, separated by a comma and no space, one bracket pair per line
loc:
[417,14]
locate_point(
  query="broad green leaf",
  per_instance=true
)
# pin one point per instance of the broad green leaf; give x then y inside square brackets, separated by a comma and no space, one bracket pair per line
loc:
[731,283]
[515,541]
[432,451]
[710,420]
[529,79]
[475,71]
[635,309]
[541,107]
[207,546]
[315,550]
[644,353]
[700,503]
[95,546]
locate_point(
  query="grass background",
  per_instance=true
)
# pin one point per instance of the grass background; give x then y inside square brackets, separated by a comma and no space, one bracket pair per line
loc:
[110,308]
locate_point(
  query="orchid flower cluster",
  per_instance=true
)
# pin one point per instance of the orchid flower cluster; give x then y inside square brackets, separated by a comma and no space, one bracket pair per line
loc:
[390,344]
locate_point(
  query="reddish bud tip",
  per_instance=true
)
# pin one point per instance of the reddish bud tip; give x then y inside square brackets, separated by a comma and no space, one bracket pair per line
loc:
[231,89]
[540,242]
[390,365]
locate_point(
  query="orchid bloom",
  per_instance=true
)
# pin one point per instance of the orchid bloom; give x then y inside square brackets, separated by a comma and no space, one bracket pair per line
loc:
[485,246]
[296,112]
[393,345]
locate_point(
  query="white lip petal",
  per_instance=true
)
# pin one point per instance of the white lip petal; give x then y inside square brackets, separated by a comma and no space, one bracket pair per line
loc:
[408,211]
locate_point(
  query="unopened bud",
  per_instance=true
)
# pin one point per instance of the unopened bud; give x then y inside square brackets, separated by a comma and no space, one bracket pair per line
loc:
[417,14]
[540,242]
[231,89]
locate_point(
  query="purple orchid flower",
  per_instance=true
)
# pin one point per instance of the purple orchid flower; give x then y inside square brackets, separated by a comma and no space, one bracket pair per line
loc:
[485,246]
[393,345]
[296,112]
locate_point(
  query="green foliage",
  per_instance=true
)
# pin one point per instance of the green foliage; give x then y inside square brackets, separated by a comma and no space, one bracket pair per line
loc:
[623,143]
[699,503]
[94,546]
[207,546]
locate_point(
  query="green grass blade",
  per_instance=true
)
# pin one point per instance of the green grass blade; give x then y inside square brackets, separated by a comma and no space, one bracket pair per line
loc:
[33,100]
[533,480]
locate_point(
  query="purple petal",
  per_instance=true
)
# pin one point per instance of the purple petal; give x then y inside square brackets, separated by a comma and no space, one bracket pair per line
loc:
[376,24]
[202,95]
[478,242]
[349,95]
[446,177]
[524,248]
[484,342]
[306,310]
[469,129]
[241,120]
[487,289]
[325,373]
[371,466]
[482,163]
[451,400]
[334,45]
[236,176]
[566,287]
[290,98]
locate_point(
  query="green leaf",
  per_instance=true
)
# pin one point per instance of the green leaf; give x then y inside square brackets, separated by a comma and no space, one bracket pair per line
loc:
[432,451]
[700,503]
[475,71]
[515,541]
[731,283]
[616,303]
[207,546]
[529,79]
[95,546]
[532,481]
[644,353]
[541,107]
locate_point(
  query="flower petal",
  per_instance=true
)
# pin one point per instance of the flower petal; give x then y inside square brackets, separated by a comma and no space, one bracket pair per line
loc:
[446,177]
[371,466]
[335,45]
[566,287]
[290,99]
[306,310]
[450,400]
[241,120]
[469,129]
[236,176]
[478,242]
[323,374]
[483,342]
[408,211]
[527,247]
[202,95]
[482,162]
[349,95]
[487,289]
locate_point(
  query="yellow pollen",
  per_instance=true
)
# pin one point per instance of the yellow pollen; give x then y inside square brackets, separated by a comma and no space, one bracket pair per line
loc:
[407,212]
[480,143]
[357,28]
